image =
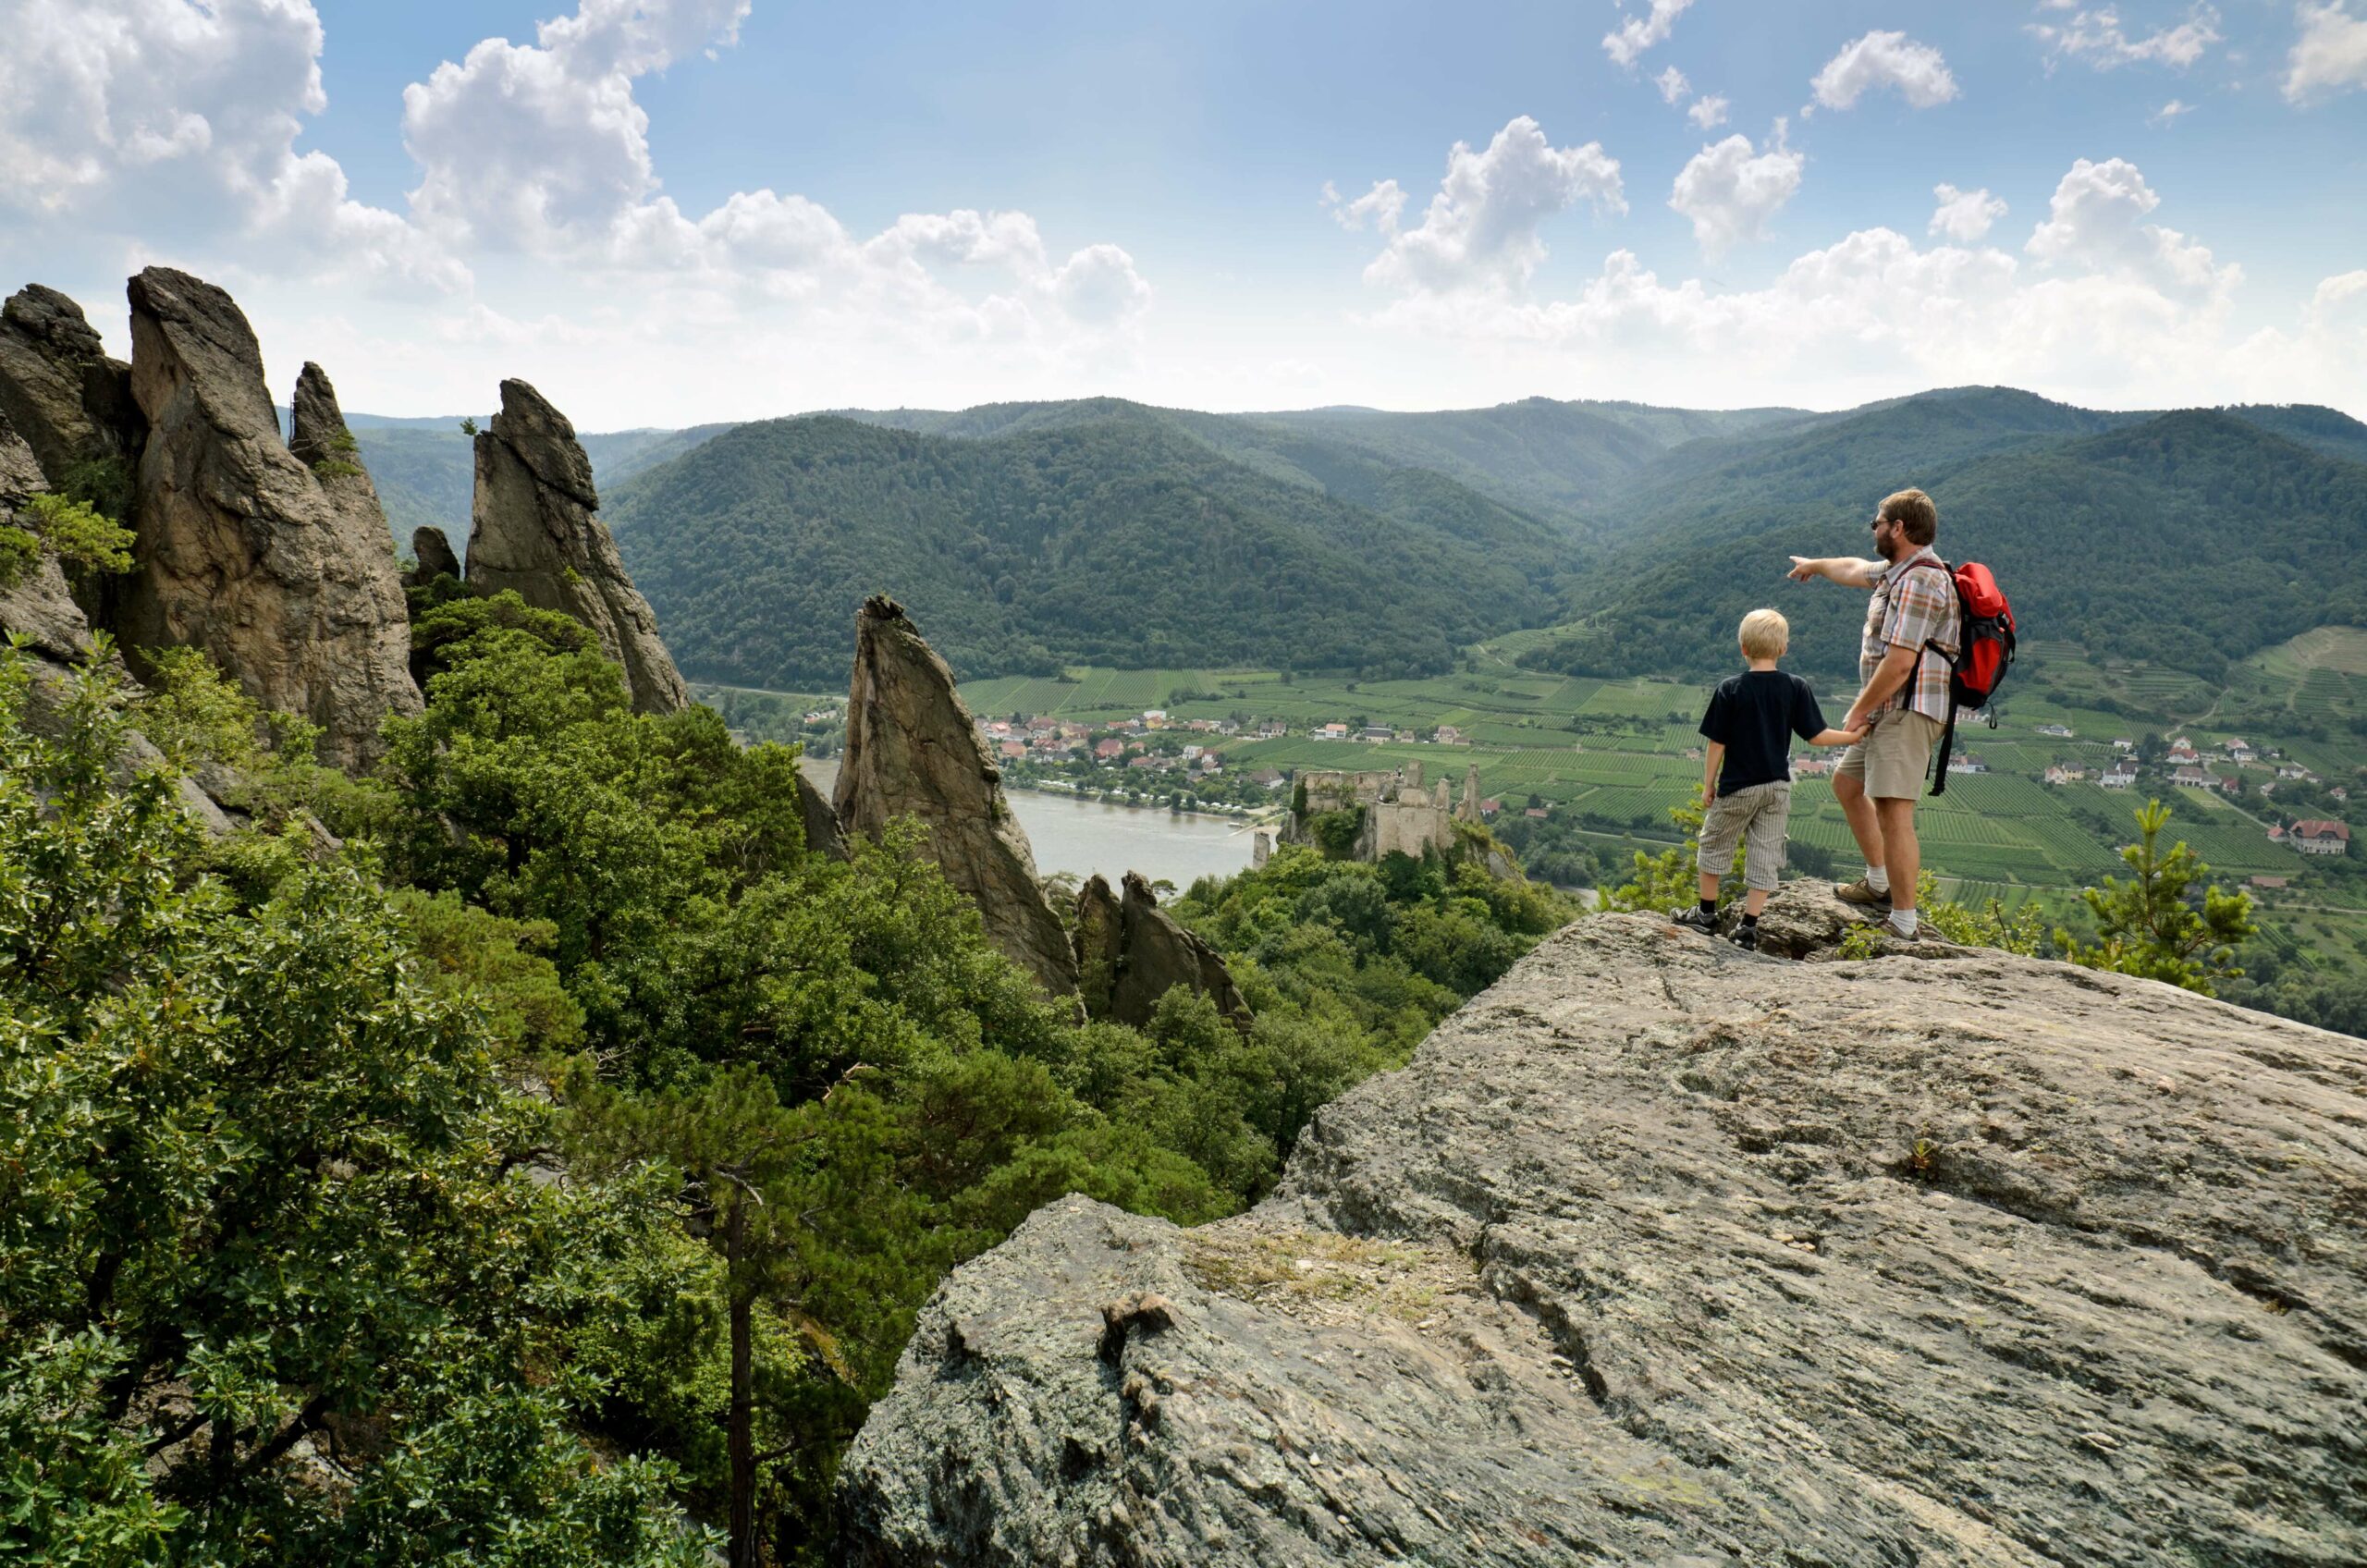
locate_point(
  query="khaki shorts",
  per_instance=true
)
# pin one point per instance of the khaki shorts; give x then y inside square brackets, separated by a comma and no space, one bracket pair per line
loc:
[1890,761]
[1755,817]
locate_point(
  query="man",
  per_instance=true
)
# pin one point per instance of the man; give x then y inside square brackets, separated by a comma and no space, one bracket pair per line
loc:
[1904,700]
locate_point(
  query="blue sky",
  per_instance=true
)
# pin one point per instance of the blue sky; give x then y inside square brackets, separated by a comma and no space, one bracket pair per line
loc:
[677,210]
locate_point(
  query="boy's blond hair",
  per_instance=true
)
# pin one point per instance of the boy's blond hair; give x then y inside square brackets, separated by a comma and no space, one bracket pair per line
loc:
[1765,634]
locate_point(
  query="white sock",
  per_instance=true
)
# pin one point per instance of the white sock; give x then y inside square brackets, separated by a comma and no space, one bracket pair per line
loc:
[1878,879]
[1905,920]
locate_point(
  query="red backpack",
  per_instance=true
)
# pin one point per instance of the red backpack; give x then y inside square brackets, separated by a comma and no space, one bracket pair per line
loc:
[1984,652]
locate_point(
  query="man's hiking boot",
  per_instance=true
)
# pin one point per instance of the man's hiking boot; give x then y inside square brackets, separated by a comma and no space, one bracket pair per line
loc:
[1891,927]
[1863,893]
[1745,937]
[1694,920]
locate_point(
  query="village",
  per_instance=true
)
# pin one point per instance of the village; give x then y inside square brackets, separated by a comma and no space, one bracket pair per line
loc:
[1157,757]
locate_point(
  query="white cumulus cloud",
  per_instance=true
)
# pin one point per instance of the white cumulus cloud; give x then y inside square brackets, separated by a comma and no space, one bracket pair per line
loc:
[1479,231]
[2096,222]
[2330,56]
[1707,112]
[1626,42]
[1378,207]
[180,121]
[2096,38]
[1879,60]
[2107,308]
[1673,85]
[1964,215]
[1730,190]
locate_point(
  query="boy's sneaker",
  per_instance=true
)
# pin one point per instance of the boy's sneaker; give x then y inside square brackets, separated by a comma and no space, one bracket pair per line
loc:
[1745,937]
[1862,892]
[1692,919]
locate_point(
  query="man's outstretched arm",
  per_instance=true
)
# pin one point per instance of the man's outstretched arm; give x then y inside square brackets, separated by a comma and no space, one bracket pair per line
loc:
[1847,571]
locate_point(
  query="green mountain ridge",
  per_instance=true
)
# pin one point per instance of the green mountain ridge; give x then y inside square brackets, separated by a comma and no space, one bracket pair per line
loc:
[1387,537]
[1123,539]
[2189,539]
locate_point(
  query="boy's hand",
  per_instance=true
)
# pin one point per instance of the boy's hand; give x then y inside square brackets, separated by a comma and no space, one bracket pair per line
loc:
[1708,793]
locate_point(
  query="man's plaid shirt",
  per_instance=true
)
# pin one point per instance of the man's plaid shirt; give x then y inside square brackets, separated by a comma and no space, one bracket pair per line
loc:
[1915,601]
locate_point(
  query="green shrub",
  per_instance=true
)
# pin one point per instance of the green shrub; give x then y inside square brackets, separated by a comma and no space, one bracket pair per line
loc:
[81,535]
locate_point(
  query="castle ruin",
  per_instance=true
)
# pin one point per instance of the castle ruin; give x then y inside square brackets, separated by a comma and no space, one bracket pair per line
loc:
[1396,814]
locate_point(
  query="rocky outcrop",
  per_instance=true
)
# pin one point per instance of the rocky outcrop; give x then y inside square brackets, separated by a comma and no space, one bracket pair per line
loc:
[1130,953]
[64,397]
[912,749]
[534,529]
[432,555]
[241,551]
[54,638]
[317,438]
[1662,1252]
[37,608]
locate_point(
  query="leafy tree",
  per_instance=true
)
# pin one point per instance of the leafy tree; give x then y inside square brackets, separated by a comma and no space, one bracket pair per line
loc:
[2164,922]
[265,1197]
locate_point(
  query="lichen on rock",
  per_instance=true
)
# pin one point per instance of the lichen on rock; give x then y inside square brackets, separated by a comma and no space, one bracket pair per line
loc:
[1661,1251]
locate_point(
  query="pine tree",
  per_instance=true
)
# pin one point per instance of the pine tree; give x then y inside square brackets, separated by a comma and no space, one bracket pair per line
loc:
[2155,924]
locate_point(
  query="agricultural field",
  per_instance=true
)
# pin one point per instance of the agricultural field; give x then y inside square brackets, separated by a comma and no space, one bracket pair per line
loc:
[1609,757]
[1611,753]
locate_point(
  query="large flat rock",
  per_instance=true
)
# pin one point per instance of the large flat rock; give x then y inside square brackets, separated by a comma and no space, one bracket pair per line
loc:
[1662,1252]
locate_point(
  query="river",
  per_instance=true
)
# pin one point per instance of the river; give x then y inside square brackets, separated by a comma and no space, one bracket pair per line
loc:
[1087,837]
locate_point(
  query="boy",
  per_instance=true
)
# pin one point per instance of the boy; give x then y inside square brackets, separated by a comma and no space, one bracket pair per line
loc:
[1746,772]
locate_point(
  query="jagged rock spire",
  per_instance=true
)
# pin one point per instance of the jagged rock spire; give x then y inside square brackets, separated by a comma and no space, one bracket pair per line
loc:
[911,747]
[242,552]
[1130,953]
[534,528]
[66,399]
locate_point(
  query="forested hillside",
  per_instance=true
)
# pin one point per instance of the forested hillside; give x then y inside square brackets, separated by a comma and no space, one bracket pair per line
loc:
[1108,532]
[2188,539]
[1122,540]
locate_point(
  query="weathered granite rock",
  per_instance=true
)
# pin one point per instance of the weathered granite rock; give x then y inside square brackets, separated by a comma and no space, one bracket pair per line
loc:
[54,637]
[1661,1251]
[912,749]
[38,608]
[317,438]
[433,555]
[68,402]
[535,527]
[1130,953]
[242,551]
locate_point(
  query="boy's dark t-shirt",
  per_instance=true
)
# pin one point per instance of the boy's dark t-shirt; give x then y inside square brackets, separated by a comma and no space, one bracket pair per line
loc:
[1754,715]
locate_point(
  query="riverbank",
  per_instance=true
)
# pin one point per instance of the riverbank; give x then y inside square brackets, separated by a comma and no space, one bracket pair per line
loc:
[1082,837]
